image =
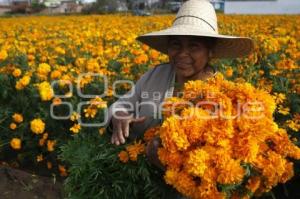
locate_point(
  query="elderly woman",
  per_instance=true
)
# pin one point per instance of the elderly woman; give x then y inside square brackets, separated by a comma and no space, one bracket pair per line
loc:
[190,43]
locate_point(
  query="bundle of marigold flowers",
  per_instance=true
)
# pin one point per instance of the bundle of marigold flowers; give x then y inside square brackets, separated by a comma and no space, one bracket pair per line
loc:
[219,140]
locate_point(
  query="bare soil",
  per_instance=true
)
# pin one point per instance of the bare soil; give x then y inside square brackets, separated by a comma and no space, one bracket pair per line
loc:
[18,184]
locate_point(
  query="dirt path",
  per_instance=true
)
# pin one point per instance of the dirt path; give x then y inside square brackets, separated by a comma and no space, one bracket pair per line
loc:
[17,184]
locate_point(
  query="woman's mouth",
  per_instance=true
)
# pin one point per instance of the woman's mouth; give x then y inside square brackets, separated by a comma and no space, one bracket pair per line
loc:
[182,65]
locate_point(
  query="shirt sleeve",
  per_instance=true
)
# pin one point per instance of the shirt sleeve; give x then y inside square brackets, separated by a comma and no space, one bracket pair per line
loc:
[130,100]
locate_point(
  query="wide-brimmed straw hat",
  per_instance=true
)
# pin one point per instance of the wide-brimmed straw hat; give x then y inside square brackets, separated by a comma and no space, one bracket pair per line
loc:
[198,18]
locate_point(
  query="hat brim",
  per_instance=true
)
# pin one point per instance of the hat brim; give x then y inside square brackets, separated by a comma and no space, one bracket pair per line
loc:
[226,46]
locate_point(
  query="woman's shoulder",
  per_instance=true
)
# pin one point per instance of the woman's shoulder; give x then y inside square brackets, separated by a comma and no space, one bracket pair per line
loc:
[159,71]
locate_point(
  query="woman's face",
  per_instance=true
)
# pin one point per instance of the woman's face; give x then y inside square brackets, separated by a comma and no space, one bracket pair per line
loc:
[188,54]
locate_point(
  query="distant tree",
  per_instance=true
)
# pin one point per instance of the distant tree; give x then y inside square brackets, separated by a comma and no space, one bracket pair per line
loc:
[106,6]
[36,6]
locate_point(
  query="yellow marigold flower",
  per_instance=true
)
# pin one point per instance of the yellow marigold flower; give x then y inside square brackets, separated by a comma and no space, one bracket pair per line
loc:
[279,98]
[171,176]
[99,102]
[45,90]
[123,156]
[15,143]
[17,72]
[3,55]
[12,126]
[50,145]
[173,136]
[101,131]
[75,128]
[37,126]
[196,162]
[74,116]
[283,110]
[23,82]
[43,69]
[135,149]
[60,50]
[62,170]
[90,112]
[293,125]
[18,118]
[39,158]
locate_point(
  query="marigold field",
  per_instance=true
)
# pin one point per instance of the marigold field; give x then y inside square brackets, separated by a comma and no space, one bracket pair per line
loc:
[57,63]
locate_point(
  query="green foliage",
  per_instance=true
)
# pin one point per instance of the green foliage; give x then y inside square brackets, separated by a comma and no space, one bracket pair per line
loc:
[96,171]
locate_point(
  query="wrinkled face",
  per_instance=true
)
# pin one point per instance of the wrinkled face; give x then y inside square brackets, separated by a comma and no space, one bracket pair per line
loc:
[188,54]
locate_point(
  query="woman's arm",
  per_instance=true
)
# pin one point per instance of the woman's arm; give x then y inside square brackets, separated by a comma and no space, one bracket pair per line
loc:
[123,112]
[151,152]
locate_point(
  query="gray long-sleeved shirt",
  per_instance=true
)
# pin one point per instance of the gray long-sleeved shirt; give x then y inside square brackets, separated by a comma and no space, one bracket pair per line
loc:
[146,97]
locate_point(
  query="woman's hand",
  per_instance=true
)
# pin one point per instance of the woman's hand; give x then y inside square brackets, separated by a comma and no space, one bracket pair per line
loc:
[120,122]
[151,152]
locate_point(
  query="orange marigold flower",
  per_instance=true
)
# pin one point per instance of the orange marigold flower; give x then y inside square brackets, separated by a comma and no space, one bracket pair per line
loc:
[12,126]
[42,142]
[196,163]
[50,145]
[62,170]
[49,165]
[123,156]
[18,118]
[17,72]
[231,173]
[39,158]
[101,131]
[16,143]
[253,184]
[229,72]
[150,134]
[75,128]
[56,101]
[135,149]
[22,83]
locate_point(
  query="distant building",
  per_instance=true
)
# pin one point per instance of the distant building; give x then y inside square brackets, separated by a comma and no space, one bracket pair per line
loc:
[4,9]
[262,7]
[51,3]
[218,4]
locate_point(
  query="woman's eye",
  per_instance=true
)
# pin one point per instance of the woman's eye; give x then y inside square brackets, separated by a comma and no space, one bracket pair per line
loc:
[174,45]
[194,46]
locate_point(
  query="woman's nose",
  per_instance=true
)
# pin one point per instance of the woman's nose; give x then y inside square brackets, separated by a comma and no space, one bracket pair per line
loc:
[183,51]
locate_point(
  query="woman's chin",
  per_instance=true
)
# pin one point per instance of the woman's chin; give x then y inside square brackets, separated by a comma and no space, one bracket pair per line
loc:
[185,72]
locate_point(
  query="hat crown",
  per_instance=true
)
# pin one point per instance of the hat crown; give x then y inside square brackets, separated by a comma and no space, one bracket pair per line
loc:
[199,14]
